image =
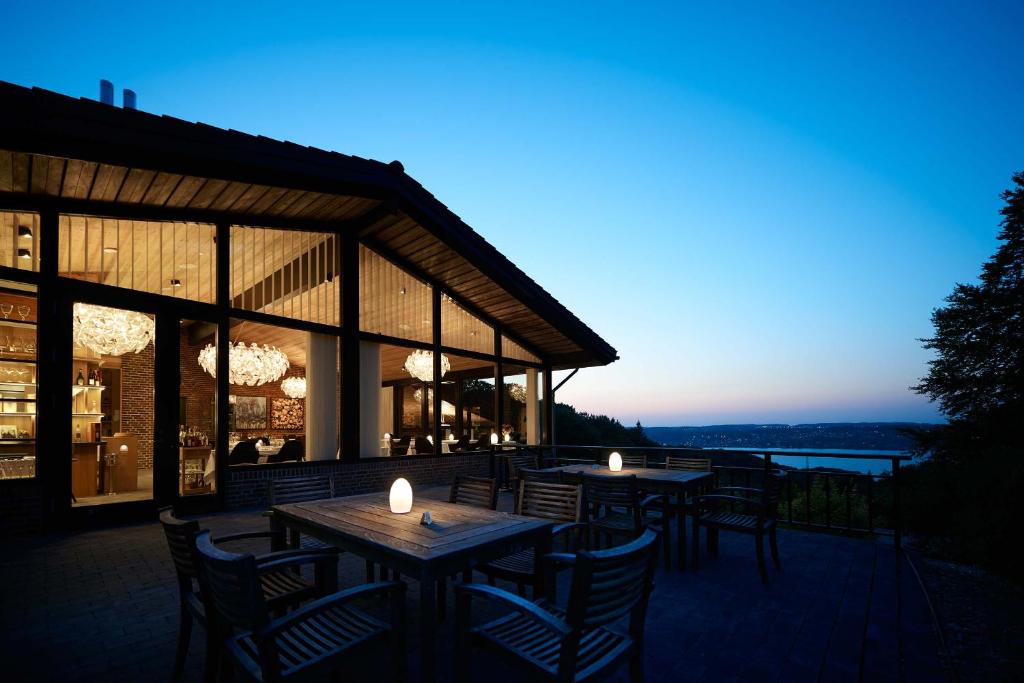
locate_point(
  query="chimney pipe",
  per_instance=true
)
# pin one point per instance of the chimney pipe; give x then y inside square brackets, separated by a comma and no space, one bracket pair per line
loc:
[128,99]
[106,92]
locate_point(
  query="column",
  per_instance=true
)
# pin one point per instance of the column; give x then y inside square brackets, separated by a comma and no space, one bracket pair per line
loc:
[321,415]
[369,400]
[532,408]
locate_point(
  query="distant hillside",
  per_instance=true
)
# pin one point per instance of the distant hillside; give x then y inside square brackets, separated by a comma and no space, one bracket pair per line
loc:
[880,436]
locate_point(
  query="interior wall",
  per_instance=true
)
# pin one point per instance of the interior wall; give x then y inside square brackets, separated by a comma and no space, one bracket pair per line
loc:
[137,401]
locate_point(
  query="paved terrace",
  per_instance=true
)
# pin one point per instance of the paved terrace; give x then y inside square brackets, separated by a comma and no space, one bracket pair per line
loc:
[102,605]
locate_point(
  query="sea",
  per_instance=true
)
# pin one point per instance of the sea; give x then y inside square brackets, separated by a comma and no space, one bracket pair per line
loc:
[867,466]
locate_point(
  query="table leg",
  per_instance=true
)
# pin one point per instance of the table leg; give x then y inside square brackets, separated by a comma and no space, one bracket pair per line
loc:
[428,627]
[681,525]
[279,530]
[543,585]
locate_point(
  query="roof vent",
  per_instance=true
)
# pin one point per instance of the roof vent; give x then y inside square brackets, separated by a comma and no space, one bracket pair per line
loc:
[128,99]
[396,166]
[106,92]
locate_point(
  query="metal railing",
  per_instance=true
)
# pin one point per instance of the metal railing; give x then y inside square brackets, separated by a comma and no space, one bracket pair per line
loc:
[825,499]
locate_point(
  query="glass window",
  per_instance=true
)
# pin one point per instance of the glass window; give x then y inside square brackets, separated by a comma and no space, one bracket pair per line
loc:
[392,302]
[197,410]
[174,259]
[17,380]
[510,349]
[522,405]
[290,273]
[284,385]
[19,240]
[462,330]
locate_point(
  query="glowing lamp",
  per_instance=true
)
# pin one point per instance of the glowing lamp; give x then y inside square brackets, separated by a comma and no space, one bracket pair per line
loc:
[494,438]
[387,436]
[430,438]
[508,437]
[401,496]
[615,462]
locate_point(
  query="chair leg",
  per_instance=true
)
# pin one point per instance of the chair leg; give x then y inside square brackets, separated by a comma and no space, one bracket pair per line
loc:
[713,541]
[636,667]
[462,652]
[184,636]
[681,541]
[212,664]
[666,531]
[442,598]
[759,547]
[775,549]
[695,544]
[370,571]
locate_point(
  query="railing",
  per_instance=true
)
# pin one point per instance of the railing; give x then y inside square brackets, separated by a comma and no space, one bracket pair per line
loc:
[827,499]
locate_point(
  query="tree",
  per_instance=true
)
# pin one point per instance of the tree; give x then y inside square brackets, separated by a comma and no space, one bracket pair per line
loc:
[977,375]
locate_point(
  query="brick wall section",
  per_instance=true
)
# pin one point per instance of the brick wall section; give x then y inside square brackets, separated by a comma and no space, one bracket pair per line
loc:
[137,404]
[247,484]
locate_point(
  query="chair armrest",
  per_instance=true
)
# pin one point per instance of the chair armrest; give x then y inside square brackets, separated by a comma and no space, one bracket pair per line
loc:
[272,562]
[333,600]
[568,526]
[524,607]
[716,498]
[653,500]
[230,538]
[561,558]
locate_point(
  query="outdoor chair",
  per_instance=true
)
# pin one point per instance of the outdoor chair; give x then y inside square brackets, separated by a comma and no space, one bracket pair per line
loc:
[665,507]
[307,643]
[630,460]
[513,464]
[293,450]
[480,492]
[548,476]
[759,518]
[562,503]
[299,490]
[244,453]
[279,588]
[582,641]
[614,507]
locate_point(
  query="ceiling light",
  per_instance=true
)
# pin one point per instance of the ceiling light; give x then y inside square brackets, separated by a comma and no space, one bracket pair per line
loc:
[24,231]
[175,282]
[111,331]
[109,250]
[420,364]
[294,387]
[24,253]
[249,365]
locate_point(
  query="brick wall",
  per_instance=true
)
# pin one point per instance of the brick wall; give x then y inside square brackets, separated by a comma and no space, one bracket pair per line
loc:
[247,484]
[137,404]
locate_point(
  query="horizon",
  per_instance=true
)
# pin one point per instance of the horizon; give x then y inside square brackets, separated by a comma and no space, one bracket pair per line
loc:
[759,207]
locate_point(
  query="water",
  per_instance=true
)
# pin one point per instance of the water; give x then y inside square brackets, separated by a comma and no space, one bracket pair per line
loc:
[850,464]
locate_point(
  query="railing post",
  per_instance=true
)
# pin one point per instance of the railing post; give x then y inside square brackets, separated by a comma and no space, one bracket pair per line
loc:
[897,513]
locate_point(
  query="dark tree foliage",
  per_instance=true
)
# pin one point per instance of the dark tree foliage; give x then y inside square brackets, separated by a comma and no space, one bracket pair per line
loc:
[583,429]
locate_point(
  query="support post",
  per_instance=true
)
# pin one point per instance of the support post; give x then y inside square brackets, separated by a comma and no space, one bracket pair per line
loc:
[436,426]
[350,348]
[499,386]
[897,512]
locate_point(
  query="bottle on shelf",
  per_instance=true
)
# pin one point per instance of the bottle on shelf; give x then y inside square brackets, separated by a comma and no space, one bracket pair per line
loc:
[78,426]
[92,380]
[80,381]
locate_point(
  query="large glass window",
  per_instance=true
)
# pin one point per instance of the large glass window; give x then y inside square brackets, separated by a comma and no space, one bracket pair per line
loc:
[284,385]
[510,349]
[17,380]
[462,330]
[112,405]
[197,410]
[175,259]
[522,404]
[392,302]
[19,240]
[290,273]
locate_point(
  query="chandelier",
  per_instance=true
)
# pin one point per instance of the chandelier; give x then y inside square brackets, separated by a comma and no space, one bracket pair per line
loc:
[249,365]
[111,331]
[420,364]
[517,392]
[447,409]
[294,387]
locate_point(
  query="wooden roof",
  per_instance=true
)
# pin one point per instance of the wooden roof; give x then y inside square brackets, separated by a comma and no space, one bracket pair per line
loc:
[95,156]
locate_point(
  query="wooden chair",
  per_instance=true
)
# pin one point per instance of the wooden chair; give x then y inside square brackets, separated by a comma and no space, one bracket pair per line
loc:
[481,492]
[759,518]
[279,588]
[548,500]
[298,490]
[631,460]
[244,453]
[293,450]
[613,506]
[665,507]
[577,643]
[513,464]
[547,476]
[304,644]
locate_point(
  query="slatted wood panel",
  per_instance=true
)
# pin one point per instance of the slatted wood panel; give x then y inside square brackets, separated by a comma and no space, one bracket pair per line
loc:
[461,329]
[392,302]
[18,249]
[510,349]
[481,492]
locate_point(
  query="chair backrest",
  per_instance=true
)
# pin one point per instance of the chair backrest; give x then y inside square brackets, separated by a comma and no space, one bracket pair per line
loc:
[461,444]
[673,462]
[549,476]
[607,584]
[549,500]
[423,445]
[231,585]
[299,489]
[618,491]
[181,541]
[292,451]
[515,463]
[479,492]
[244,453]
[631,460]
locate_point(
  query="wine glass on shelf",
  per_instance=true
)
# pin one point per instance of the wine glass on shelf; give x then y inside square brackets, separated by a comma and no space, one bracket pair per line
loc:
[6,310]
[23,311]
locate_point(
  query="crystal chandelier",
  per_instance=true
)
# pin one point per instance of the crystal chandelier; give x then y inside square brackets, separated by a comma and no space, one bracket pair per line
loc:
[517,392]
[250,365]
[447,409]
[294,387]
[111,331]
[420,364]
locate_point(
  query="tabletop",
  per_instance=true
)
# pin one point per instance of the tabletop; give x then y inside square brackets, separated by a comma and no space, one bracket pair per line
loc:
[644,475]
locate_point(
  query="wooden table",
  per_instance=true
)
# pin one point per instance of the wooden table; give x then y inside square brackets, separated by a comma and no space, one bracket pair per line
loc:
[666,482]
[459,537]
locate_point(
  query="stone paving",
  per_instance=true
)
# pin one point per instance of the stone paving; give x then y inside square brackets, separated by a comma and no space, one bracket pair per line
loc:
[102,605]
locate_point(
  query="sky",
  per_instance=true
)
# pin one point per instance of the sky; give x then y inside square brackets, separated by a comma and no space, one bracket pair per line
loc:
[758,205]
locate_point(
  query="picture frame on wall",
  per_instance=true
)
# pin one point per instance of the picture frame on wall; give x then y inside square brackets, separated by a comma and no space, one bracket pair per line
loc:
[287,413]
[249,412]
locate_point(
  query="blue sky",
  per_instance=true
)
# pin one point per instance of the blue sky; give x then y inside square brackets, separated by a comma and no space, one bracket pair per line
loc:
[757,205]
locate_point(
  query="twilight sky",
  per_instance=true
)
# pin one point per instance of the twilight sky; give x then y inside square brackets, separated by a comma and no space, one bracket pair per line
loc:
[757,206]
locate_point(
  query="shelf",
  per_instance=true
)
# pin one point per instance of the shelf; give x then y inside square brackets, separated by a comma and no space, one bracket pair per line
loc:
[23,324]
[15,400]
[2,415]
[78,389]
[16,384]
[86,414]
[19,360]
[2,441]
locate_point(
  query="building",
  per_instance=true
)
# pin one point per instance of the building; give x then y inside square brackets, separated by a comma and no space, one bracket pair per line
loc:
[171,292]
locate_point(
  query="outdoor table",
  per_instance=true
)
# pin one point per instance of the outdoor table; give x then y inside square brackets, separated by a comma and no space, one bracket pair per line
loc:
[666,482]
[459,537]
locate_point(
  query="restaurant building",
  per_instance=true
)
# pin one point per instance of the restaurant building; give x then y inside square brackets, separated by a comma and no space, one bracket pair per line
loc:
[187,312]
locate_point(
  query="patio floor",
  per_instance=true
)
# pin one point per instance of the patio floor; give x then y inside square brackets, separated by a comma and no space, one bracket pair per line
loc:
[102,605]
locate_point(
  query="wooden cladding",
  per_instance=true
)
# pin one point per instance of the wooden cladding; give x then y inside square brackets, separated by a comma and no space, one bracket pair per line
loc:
[19,240]
[170,258]
[509,349]
[462,330]
[290,273]
[392,302]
